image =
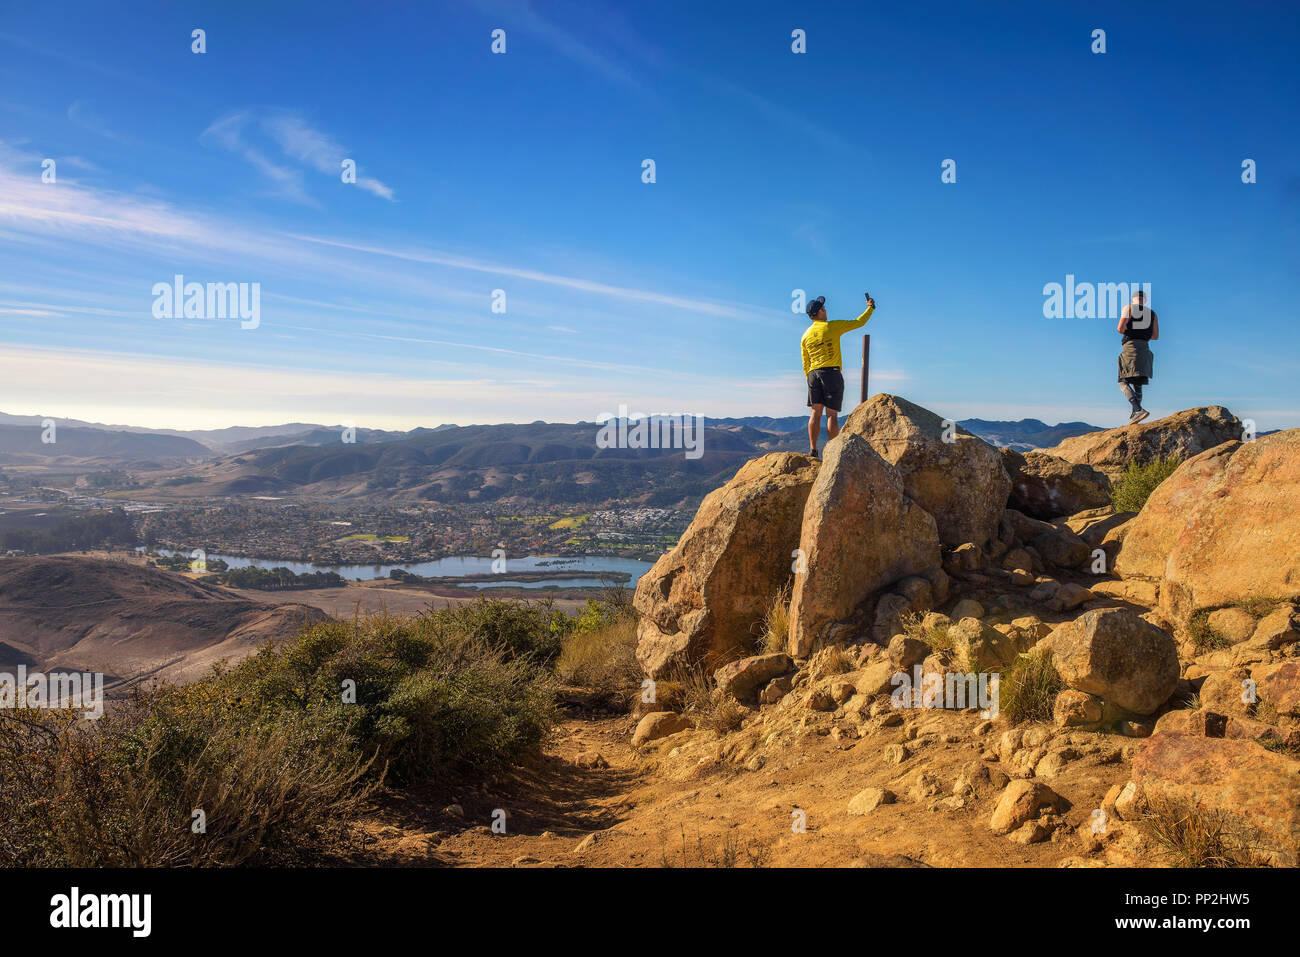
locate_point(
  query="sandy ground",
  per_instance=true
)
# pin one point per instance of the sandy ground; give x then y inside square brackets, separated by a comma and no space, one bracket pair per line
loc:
[686,801]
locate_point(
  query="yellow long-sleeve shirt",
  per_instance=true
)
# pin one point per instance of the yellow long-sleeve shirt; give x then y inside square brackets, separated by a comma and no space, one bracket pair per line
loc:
[821,343]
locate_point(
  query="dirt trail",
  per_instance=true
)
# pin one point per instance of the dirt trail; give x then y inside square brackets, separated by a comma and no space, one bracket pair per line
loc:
[697,799]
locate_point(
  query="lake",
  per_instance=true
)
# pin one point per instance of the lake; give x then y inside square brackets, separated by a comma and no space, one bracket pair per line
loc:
[467,565]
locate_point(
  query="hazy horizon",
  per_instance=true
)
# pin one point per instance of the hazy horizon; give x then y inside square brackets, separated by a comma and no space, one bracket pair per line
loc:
[426,425]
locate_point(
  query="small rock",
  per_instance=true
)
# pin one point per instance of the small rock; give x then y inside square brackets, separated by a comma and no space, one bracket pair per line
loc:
[591,760]
[1128,803]
[1021,802]
[819,699]
[896,754]
[842,691]
[868,799]
[1031,832]
[1074,708]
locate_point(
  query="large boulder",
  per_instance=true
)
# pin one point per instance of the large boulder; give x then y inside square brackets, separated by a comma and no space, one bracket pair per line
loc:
[1177,436]
[1114,654]
[861,533]
[704,600]
[955,476]
[1223,527]
[1044,486]
[1239,781]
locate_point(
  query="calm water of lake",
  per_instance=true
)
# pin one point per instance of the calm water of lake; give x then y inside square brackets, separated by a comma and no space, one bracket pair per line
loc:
[457,566]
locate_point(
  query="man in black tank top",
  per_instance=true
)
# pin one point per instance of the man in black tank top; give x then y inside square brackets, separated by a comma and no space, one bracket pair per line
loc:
[1139,326]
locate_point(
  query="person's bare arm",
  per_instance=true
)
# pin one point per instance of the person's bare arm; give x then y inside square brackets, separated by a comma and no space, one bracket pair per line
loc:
[1155,325]
[1123,321]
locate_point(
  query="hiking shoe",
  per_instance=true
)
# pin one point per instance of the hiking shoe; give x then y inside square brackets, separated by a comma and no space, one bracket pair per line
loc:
[813,453]
[1138,416]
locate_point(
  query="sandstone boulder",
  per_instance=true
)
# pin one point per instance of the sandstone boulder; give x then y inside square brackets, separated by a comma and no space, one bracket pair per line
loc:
[860,534]
[1234,625]
[961,482]
[704,599]
[868,799]
[1246,784]
[742,679]
[1044,486]
[1024,801]
[1178,436]
[1076,709]
[1114,654]
[981,648]
[658,724]
[1279,687]
[1223,527]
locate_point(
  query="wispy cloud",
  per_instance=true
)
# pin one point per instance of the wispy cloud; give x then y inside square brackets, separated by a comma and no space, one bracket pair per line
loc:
[533,275]
[249,133]
[82,114]
[520,14]
[318,150]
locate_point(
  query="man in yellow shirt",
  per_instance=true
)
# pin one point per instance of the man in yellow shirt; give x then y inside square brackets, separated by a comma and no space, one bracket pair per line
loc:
[822,365]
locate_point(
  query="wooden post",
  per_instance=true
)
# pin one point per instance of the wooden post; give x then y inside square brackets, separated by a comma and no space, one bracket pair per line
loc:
[866,362]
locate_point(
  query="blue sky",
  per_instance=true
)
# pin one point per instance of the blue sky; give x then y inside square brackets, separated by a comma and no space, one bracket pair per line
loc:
[775,171]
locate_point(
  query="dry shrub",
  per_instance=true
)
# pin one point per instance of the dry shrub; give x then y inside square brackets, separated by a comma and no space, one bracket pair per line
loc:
[774,636]
[123,792]
[936,636]
[602,660]
[732,851]
[1028,691]
[703,702]
[1195,836]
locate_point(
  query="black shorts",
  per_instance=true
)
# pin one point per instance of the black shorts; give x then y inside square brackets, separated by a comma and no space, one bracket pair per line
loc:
[826,387]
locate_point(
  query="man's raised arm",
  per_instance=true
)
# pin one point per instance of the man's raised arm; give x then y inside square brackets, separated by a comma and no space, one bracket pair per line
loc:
[845,325]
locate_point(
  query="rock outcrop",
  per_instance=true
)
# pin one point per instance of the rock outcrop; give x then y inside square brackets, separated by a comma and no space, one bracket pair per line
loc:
[1117,656]
[1178,436]
[1046,487]
[703,600]
[1243,783]
[1225,526]
[861,533]
[955,476]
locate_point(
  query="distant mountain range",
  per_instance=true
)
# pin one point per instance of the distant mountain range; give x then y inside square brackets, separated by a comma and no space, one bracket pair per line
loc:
[1027,433]
[546,461]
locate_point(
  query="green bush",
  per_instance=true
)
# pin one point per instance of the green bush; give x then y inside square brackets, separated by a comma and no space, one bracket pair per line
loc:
[1131,490]
[283,750]
[533,630]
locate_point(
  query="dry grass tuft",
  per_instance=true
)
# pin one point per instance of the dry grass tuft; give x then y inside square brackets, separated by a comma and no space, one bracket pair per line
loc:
[1194,836]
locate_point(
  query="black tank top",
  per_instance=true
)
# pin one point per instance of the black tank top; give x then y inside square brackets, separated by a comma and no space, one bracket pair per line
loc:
[1141,320]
